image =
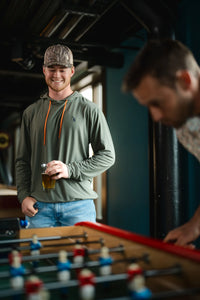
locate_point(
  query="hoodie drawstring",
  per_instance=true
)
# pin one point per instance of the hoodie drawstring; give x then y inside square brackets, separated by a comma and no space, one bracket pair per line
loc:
[61,120]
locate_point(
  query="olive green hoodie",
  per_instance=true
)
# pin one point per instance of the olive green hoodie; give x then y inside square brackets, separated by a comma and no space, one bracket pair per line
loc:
[62,130]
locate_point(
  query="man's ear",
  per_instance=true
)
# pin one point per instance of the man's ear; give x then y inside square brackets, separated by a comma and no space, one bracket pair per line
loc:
[43,68]
[183,78]
[72,70]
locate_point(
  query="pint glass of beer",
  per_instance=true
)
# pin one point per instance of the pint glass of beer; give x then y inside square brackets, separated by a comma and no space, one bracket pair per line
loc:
[47,182]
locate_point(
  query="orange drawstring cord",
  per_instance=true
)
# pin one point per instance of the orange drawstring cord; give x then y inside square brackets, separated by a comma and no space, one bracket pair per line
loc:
[61,120]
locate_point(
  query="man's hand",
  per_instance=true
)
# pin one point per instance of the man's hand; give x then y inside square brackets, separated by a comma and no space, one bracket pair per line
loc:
[27,207]
[184,235]
[57,169]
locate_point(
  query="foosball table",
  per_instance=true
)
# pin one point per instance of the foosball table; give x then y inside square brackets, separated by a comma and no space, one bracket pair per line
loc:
[94,261]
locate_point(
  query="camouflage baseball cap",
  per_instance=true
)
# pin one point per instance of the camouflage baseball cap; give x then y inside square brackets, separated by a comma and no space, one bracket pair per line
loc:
[58,55]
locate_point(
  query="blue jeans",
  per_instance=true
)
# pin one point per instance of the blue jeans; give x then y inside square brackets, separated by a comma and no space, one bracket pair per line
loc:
[62,214]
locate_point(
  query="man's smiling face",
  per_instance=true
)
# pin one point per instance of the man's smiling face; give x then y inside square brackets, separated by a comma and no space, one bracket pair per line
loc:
[58,77]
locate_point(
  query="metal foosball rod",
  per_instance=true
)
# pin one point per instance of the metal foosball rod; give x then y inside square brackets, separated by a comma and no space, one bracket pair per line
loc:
[26,258]
[164,295]
[32,258]
[100,241]
[102,279]
[22,248]
[16,267]
[92,264]
[48,238]
[175,270]
[134,274]
[70,283]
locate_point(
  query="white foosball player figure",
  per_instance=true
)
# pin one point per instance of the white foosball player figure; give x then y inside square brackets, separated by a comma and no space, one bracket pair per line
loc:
[105,262]
[34,289]
[63,267]
[87,284]
[17,270]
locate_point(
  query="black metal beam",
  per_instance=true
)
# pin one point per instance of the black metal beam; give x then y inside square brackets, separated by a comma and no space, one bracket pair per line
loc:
[168,180]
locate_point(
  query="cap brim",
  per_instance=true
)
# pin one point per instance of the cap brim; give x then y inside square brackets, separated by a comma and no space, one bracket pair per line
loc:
[58,64]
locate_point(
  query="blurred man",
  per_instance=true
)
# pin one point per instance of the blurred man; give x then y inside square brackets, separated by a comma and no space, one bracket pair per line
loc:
[165,77]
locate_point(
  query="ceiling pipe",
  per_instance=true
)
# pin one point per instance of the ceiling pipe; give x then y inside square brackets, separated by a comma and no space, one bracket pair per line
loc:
[96,20]
[70,26]
[54,25]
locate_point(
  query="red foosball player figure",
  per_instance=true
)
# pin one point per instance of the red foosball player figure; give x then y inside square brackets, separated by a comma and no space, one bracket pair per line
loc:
[79,254]
[17,270]
[87,284]
[34,289]
[136,283]
[133,270]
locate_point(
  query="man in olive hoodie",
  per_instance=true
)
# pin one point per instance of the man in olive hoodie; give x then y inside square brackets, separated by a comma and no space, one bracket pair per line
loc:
[57,130]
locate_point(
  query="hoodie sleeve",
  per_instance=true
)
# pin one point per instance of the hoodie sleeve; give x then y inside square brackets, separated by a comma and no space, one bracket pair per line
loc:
[103,150]
[22,164]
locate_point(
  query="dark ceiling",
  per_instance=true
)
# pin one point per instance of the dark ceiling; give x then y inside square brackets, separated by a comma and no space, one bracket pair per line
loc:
[94,30]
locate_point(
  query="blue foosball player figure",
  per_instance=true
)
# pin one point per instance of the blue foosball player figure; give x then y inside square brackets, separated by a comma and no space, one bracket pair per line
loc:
[17,270]
[24,223]
[63,268]
[35,246]
[138,290]
[105,261]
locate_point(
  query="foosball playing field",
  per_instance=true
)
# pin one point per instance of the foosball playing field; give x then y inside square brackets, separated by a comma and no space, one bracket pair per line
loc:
[93,261]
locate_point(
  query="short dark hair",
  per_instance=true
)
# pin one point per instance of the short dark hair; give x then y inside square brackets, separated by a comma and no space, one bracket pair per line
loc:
[161,59]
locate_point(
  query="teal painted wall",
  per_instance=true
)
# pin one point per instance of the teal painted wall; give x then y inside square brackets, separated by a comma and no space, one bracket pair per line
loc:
[128,179]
